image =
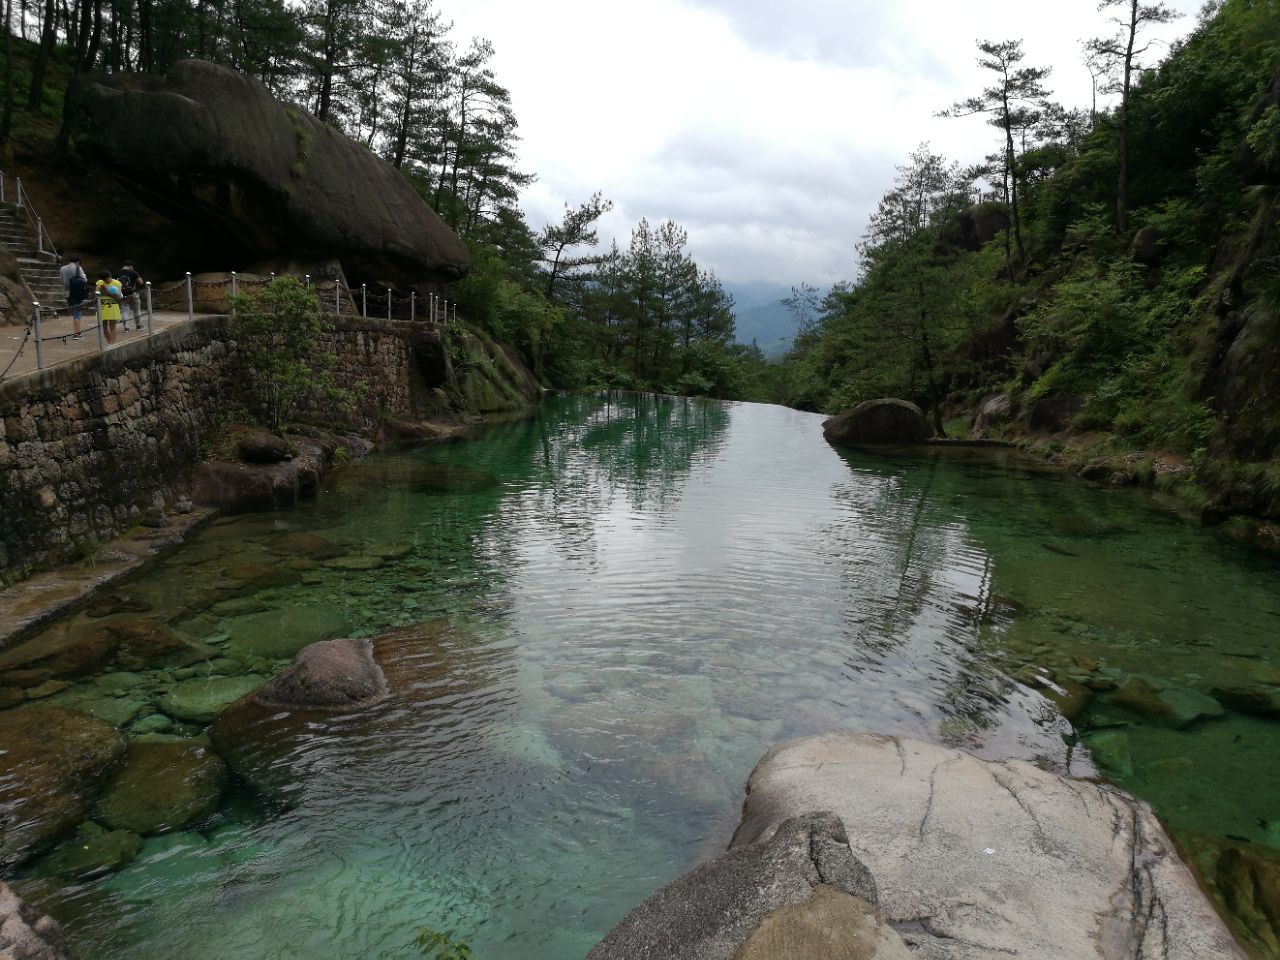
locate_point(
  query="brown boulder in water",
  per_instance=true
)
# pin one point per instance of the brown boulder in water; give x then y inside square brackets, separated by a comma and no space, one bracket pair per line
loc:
[329,675]
[885,421]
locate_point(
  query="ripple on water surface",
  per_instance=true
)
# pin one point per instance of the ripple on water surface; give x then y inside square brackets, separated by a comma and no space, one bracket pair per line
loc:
[605,615]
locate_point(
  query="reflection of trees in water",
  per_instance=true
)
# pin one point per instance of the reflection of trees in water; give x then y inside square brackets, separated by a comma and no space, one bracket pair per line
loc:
[587,457]
[921,596]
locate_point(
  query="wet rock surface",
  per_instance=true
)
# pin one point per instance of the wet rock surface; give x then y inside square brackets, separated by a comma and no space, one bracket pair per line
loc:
[878,422]
[331,674]
[55,761]
[800,888]
[974,859]
[162,787]
[91,851]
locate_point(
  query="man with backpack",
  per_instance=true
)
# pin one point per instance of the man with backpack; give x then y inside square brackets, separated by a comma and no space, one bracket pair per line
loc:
[131,290]
[76,286]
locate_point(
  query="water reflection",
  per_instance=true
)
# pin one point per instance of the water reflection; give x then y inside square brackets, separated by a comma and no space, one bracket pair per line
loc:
[605,615]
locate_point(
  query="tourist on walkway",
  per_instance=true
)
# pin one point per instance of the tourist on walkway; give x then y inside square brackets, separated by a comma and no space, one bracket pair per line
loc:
[76,287]
[131,287]
[110,296]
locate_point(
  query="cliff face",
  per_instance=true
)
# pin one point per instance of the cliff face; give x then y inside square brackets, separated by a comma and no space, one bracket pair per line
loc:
[202,169]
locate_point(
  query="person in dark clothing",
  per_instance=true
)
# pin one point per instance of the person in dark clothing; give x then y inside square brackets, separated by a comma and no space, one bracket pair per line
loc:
[131,289]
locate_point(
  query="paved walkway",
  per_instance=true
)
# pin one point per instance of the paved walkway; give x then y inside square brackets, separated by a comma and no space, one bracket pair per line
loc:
[59,347]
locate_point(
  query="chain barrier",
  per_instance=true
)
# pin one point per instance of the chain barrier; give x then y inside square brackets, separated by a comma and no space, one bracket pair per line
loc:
[26,337]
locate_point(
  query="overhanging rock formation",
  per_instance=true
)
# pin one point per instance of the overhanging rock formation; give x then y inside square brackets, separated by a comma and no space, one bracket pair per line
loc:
[244,175]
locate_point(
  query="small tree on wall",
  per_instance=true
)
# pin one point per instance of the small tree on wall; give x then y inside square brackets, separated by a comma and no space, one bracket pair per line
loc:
[277,331]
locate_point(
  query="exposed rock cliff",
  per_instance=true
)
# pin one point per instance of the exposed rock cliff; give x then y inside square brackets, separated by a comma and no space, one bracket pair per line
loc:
[243,178]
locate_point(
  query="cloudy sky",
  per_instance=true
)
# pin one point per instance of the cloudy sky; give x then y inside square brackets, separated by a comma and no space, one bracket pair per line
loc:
[769,133]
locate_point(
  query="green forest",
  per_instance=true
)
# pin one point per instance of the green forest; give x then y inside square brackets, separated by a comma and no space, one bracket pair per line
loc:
[1104,270]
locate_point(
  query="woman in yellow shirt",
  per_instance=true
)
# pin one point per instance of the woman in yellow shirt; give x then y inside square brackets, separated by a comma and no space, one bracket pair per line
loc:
[108,290]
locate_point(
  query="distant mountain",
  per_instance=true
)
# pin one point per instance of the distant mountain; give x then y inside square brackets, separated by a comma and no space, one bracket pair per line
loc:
[760,316]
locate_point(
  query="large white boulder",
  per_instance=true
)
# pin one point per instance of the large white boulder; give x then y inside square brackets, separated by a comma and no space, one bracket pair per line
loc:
[975,859]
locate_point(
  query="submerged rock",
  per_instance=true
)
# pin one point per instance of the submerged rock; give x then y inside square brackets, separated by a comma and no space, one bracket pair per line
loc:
[878,422]
[32,663]
[800,893]
[279,634]
[149,644]
[307,545]
[333,697]
[1112,751]
[974,859]
[1248,876]
[162,787]
[200,701]
[91,851]
[55,761]
[452,478]
[1260,699]
[1165,702]
[26,934]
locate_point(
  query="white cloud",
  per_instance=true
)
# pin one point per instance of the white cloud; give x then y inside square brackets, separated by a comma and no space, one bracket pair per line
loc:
[769,134]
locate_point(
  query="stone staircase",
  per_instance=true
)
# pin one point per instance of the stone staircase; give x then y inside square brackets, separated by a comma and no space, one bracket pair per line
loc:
[39,270]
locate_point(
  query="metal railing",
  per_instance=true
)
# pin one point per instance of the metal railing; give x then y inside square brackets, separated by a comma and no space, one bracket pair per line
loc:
[432,309]
[44,242]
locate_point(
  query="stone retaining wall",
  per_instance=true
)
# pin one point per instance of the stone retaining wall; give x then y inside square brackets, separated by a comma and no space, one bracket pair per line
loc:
[89,447]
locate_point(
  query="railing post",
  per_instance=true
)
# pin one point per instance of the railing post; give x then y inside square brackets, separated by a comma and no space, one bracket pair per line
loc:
[364,300]
[150,320]
[388,303]
[337,297]
[97,308]
[2,200]
[413,305]
[191,304]
[35,324]
[233,293]
[40,234]
[455,313]
[18,180]
[306,281]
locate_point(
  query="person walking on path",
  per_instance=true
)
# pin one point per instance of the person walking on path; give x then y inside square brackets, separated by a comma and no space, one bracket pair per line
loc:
[131,287]
[75,285]
[108,291]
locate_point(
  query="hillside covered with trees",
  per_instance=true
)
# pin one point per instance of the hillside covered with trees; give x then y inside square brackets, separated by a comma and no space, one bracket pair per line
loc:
[1118,282]
[390,75]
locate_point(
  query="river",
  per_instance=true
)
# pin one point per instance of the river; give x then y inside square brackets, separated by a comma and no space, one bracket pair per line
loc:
[621,604]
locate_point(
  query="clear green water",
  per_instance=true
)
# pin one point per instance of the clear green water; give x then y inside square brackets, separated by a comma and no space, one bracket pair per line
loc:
[633,599]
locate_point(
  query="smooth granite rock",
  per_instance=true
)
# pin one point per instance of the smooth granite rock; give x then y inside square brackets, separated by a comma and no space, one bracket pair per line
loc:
[975,860]
[756,896]
[26,934]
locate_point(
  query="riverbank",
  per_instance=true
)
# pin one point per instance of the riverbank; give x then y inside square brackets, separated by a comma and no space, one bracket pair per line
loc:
[36,601]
